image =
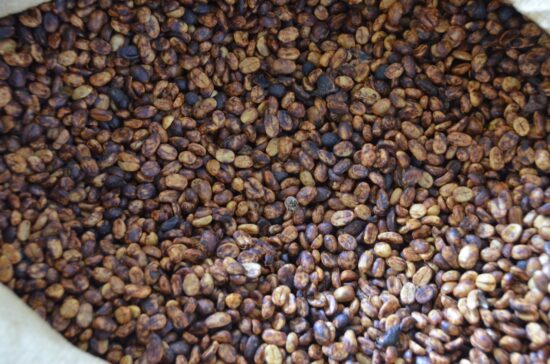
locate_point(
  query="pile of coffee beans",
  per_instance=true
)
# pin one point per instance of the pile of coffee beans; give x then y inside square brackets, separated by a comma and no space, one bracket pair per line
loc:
[279,181]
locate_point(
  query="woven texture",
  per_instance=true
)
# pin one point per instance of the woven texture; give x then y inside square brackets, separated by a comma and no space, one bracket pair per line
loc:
[536,10]
[8,7]
[26,338]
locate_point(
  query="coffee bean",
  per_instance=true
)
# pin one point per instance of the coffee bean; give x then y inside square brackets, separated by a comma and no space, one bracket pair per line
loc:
[254,181]
[325,86]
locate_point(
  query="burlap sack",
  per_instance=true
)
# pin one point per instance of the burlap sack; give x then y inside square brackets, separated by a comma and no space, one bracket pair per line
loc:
[8,7]
[28,339]
[536,10]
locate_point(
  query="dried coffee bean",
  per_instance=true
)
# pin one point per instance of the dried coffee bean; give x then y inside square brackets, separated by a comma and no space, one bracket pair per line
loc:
[284,181]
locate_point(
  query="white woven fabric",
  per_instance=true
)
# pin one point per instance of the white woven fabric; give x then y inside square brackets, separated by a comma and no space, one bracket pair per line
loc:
[8,7]
[536,10]
[26,338]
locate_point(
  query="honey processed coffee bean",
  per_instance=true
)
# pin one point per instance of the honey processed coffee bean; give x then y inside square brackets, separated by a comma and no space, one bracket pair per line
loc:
[273,181]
